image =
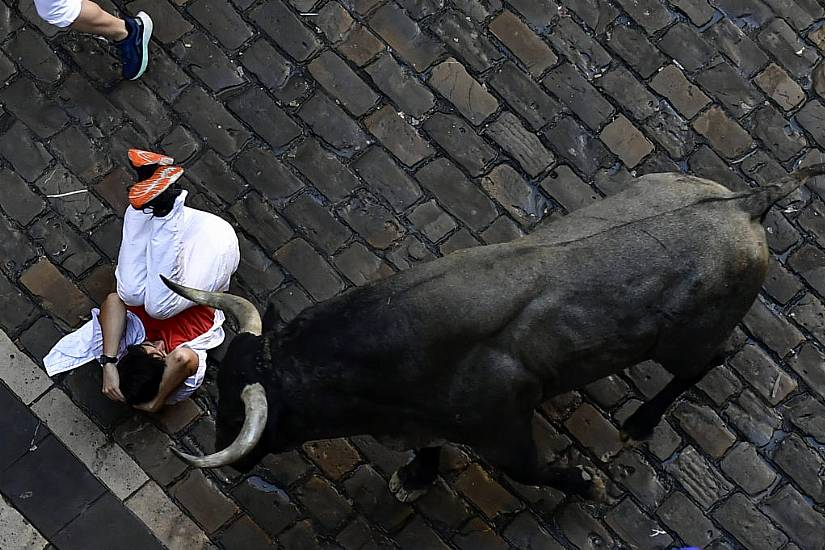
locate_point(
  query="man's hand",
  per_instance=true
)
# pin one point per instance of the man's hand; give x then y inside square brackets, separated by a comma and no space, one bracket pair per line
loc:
[111,383]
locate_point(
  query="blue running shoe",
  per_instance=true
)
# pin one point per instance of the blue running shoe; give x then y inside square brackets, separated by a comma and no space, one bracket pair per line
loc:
[134,49]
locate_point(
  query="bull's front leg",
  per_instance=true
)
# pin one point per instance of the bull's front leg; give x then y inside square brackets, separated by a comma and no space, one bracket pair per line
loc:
[640,425]
[414,479]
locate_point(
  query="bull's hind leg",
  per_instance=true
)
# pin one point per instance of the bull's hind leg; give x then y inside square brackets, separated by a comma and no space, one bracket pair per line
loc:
[516,455]
[641,423]
[414,479]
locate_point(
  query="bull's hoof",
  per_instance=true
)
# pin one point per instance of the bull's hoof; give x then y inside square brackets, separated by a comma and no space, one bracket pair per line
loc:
[636,429]
[403,493]
[596,486]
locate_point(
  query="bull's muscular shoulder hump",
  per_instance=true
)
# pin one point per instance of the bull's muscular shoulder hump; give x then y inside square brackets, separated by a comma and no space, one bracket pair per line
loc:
[649,196]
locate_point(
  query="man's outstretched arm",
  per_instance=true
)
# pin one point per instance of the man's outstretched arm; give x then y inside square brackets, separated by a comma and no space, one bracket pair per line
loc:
[180,365]
[112,320]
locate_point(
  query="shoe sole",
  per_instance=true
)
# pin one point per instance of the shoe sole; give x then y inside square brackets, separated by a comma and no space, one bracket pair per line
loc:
[145,191]
[148,27]
[139,158]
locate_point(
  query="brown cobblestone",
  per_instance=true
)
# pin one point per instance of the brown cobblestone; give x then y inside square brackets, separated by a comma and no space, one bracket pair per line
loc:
[59,295]
[524,44]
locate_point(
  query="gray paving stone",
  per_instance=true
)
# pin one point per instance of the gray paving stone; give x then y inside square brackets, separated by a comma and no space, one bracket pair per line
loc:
[221,21]
[264,116]
[755,366]
[750,527]
[465,41]
[103,458]
[524,96]
[625,88]
[736,45]
[596,14]
[316,223]
[705,427]
[33,54]
[403,140]
[49,486]
[707,164]
[274,71]
[582,530]
[400,85]
[685,45]
[579,48]
[17,532]
[460,141]
[211,173]
[331,72]
[526,45]
[636,50]
[84,158]
[311,270]
[63,245]
[26,155]
[207,62]
[756,422]
[723,133]
[166,521]
[734,92]
[583,99]
[744,466]
[324,170]
[650,14]
[44,121]
[802,464]
[452,80]
[266,503]
[700,12]
[524,146]
[775,82]
[457,194]
[780,39]
[806,414]
[792,511]
[373,222]
[699,478]
[385,178]
[361,266]
[212,121]
[405,37]
[636,527]
[285,29]
[538,13]
[680,514]
[685,96]
[572,142]
[262,170]
[514,194]
[262,222]
[332,124]
[627,142]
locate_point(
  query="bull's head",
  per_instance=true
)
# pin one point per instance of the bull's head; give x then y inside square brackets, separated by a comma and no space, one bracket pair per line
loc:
[247,419]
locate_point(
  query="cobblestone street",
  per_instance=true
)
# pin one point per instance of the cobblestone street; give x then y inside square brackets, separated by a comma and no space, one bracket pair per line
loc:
[347,140]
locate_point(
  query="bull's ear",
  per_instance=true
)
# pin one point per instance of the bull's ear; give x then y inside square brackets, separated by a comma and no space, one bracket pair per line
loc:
[271,317]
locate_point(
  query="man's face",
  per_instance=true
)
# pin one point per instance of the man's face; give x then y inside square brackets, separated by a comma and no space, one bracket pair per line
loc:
[155,348]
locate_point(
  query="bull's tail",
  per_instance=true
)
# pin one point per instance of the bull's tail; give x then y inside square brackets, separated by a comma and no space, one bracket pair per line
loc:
[758,201]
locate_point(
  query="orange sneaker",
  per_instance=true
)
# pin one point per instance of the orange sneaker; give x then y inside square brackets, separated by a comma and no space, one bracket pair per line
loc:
[140,158]
[144,191]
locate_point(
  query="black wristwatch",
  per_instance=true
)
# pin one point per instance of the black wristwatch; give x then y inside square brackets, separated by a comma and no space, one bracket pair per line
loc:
[105,359]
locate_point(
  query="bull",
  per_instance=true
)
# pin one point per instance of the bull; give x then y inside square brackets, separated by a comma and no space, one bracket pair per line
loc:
[465,347]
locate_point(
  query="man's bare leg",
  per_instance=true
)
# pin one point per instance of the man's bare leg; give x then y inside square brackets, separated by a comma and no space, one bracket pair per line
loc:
[94,20]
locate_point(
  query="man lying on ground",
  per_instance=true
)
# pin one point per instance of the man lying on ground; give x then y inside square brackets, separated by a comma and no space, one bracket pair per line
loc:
[150,342]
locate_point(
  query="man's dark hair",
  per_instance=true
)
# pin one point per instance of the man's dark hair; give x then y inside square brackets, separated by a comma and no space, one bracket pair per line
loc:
[140,375]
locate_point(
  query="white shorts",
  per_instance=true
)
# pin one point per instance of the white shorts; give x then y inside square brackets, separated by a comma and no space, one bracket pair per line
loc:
[60,13]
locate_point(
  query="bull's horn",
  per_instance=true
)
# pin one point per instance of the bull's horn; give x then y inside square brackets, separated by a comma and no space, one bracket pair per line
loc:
[249,320]
[254,400]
